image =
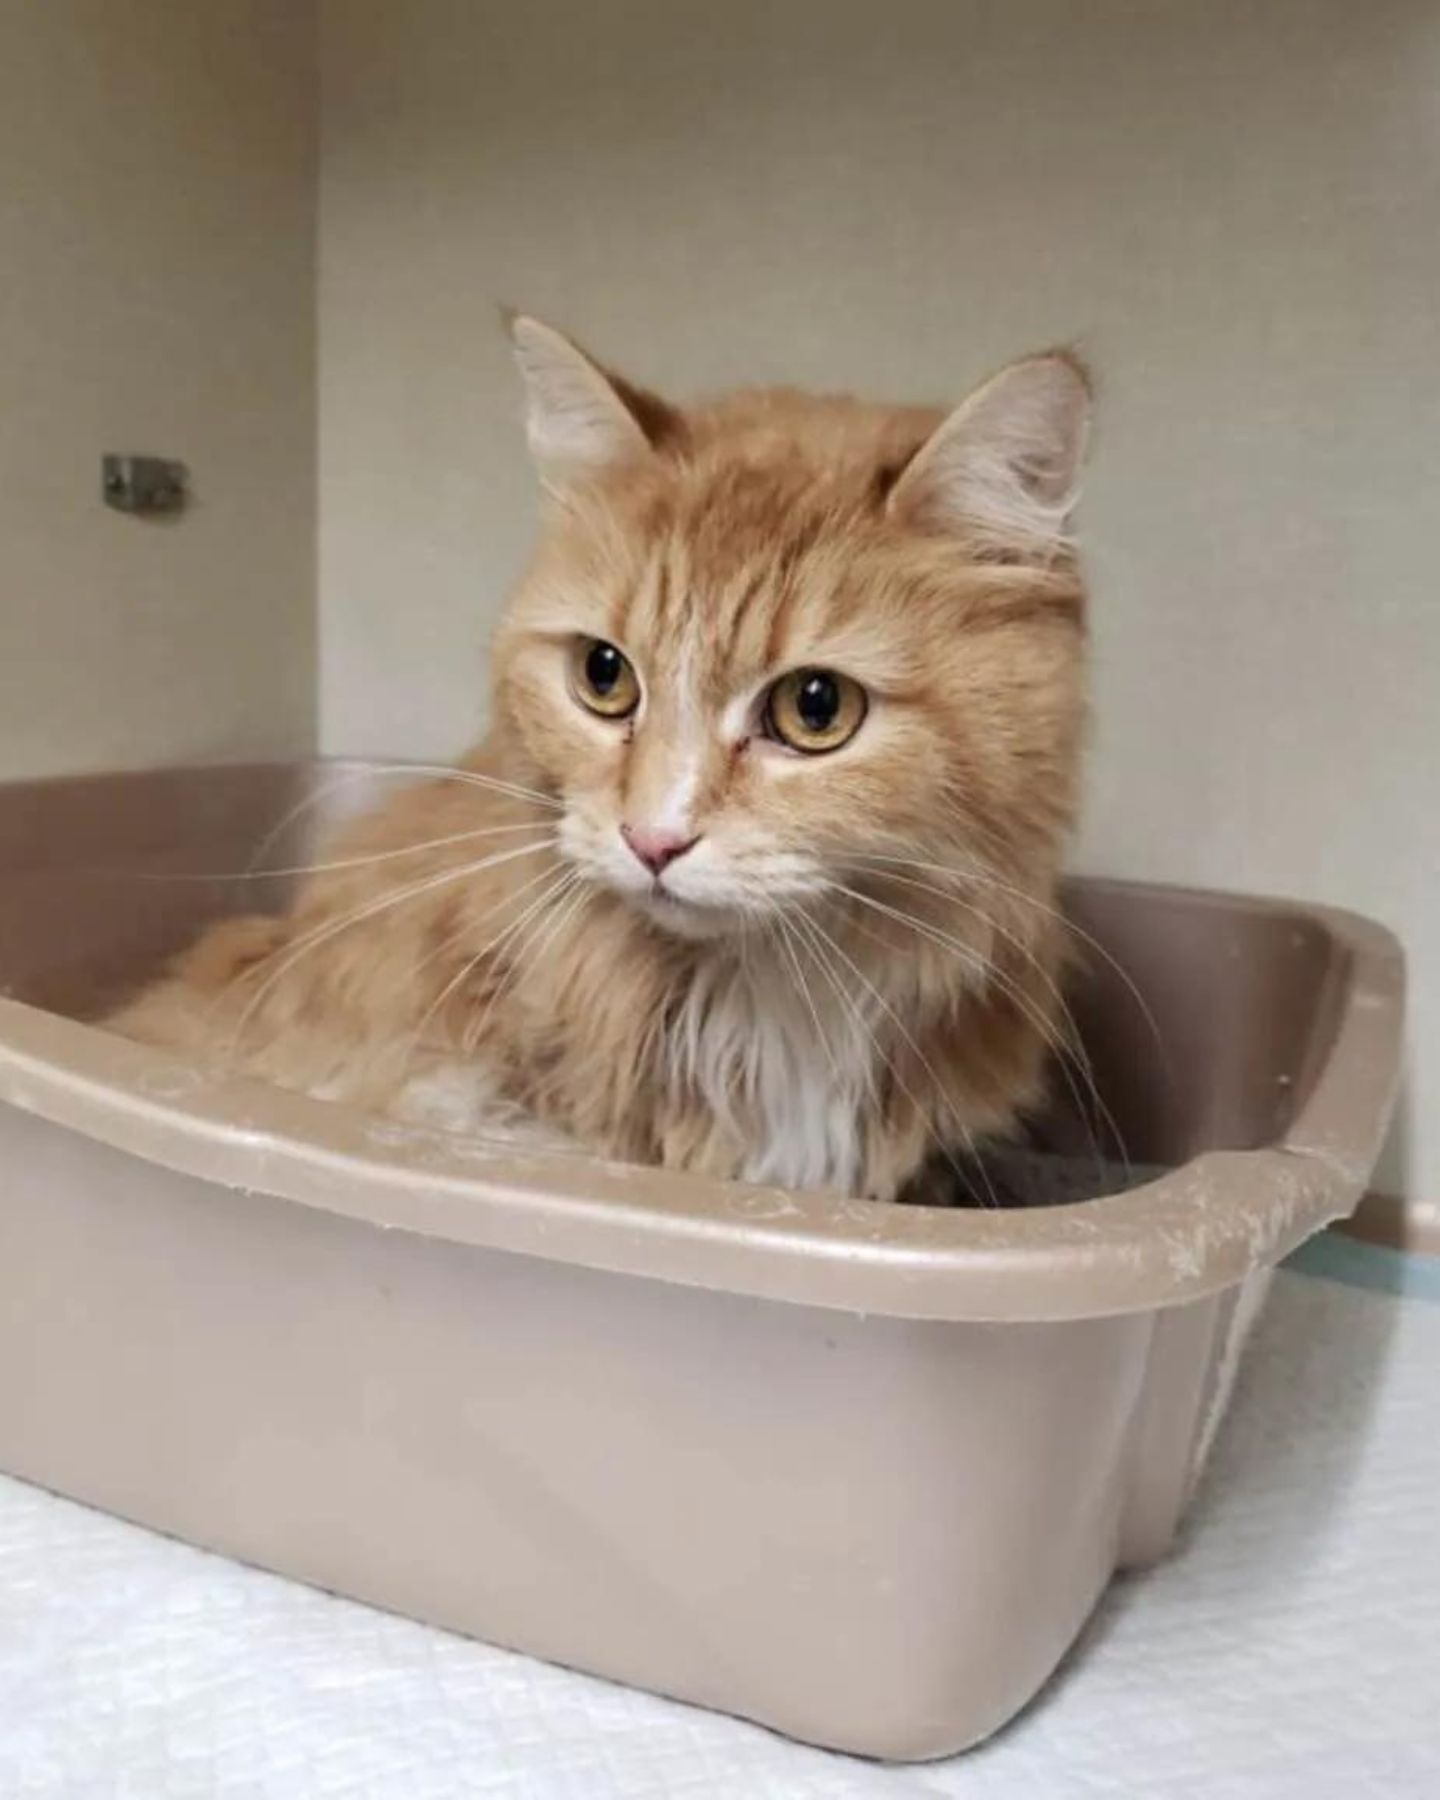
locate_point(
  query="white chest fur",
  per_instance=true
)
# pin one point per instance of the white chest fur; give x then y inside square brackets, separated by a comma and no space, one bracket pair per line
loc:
[790,1076]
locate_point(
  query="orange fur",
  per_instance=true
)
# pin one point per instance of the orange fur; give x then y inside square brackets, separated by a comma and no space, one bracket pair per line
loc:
[886,911]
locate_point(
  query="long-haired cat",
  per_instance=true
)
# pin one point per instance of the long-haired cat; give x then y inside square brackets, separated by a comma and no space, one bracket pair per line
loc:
[755,872]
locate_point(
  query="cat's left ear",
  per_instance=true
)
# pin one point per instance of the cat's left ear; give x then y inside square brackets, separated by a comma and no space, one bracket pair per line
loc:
[1004,468]
[579,419]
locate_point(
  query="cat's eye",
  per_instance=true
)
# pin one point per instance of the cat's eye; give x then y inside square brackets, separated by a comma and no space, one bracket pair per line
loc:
[602,679]
[814,710]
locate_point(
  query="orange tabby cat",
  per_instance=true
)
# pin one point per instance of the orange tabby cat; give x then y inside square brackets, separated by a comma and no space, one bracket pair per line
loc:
[755,873]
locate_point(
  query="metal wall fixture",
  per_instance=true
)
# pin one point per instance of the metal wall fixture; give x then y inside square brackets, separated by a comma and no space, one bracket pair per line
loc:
[143,484]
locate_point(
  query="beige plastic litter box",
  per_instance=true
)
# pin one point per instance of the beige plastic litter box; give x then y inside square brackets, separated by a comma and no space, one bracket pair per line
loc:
[858,1472]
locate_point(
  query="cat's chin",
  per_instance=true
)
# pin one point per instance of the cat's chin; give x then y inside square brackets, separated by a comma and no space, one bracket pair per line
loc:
[686,918]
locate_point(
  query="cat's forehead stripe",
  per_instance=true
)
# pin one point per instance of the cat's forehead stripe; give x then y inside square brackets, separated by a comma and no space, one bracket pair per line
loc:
[716,615]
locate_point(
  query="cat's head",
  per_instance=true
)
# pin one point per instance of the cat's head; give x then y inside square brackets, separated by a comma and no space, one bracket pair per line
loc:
[770,641]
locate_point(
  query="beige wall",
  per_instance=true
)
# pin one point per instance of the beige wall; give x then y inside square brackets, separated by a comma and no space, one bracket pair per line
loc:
[1233,206]
[156,294]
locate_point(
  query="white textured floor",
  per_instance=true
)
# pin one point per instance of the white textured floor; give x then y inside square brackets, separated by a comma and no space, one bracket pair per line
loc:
[1291,1648]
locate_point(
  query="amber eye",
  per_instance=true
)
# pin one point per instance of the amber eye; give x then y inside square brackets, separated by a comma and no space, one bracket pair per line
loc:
[814,710]
[603,680]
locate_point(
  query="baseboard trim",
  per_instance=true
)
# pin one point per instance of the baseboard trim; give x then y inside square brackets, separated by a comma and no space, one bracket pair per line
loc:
[1410,1225]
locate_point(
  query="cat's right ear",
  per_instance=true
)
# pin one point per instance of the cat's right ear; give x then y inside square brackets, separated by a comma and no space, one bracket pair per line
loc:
[1004,467]
[580,421]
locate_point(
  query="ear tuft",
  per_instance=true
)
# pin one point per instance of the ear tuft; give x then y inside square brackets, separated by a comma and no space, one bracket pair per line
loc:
[578,419]
[1004,467]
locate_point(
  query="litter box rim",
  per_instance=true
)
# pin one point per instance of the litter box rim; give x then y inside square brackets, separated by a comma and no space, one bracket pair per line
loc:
[1197,1230]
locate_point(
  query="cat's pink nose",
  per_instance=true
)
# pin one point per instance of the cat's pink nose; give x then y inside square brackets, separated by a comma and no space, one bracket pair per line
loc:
[656,849]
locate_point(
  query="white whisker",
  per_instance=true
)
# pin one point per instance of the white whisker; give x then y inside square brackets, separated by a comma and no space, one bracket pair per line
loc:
[812,926]
[332,927]
[553,910]
[784,938]
[385,771]
[984,878]
[1048,1032]
[353,862]
[469,964]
